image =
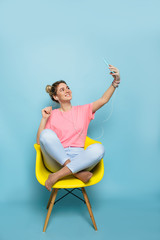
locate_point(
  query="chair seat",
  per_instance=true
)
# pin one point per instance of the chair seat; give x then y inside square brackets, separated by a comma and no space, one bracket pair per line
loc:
[70,181]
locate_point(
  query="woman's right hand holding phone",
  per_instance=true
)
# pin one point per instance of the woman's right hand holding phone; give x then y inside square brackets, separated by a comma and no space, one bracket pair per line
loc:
[46,112]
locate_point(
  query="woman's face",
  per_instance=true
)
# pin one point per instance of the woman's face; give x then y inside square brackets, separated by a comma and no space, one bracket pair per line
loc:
[63,93]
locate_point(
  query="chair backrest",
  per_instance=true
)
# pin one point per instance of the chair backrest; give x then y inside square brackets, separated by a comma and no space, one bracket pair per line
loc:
[89,141]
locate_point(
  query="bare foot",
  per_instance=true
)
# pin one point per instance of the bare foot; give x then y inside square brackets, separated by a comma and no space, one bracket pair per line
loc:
[84,176]
[50,181]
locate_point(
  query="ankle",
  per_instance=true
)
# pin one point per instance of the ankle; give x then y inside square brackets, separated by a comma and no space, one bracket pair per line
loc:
[66,162]
[54,176]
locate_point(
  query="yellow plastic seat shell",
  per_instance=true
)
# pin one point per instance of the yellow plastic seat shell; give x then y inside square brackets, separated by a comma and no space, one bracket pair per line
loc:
[70,181]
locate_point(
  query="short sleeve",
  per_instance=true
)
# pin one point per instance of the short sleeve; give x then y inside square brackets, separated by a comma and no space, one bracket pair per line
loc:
[91,115]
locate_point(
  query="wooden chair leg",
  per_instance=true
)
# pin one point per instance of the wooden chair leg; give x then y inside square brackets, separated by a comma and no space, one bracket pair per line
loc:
[89,207]
[50,208]
[50,198]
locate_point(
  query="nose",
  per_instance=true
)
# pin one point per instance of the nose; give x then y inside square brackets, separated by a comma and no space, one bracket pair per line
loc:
[68,91]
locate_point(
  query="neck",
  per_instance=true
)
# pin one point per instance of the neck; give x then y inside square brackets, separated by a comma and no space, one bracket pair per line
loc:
[65,107]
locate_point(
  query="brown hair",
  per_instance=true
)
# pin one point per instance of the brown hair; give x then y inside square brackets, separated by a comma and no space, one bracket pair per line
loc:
[52,89]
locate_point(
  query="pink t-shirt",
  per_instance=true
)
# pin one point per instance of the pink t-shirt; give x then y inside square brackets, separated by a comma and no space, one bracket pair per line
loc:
[71,126]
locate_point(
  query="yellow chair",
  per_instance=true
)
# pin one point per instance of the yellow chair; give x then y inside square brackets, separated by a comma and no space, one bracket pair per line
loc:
[67,182]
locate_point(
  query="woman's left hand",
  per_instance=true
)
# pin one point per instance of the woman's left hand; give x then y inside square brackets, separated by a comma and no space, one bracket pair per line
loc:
[115,75]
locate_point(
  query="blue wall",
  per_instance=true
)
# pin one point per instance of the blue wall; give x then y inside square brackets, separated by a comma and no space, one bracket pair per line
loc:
[45,41]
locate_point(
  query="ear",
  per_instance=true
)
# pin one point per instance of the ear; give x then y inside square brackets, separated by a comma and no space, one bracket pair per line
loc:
[55,97]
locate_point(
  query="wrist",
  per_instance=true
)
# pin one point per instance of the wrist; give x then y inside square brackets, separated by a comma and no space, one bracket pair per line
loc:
[114,85]
[44,119]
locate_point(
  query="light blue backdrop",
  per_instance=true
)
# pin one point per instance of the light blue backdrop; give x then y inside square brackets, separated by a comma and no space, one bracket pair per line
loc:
[45,41]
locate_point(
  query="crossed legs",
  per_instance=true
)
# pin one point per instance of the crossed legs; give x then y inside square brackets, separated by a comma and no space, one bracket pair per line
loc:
[65,171]
[52,145]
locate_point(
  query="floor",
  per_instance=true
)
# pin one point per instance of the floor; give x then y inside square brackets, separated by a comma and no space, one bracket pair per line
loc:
[116,219]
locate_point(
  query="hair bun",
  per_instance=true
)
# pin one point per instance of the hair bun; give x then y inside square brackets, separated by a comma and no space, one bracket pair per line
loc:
[48,88]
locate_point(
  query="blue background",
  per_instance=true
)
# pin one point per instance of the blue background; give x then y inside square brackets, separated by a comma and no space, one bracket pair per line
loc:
[45,41]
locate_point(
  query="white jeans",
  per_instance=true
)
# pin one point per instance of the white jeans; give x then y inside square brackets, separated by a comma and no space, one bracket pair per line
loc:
[55,155]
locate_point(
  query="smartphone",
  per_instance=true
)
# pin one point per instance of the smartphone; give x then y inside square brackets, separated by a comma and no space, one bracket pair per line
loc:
[107,64]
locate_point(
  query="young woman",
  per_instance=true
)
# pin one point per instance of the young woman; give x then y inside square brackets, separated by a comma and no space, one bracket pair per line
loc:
[62,133]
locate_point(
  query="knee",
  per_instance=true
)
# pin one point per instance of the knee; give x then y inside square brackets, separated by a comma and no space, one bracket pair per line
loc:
[47,135]
[99,149]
